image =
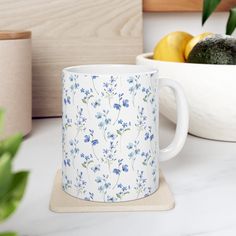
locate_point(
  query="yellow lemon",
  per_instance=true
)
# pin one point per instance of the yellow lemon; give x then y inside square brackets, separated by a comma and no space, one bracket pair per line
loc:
[193,42]
[172,47]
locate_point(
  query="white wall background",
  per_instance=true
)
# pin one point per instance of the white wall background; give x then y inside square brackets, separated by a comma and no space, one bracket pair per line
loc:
[156,25]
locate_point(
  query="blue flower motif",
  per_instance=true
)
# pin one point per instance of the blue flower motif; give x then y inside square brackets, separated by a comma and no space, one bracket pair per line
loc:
[89,138]
[130,80]
[117,106]
[109,154]
[96,103]
[130,146]
[89,197]
[121,102]
[121,168]
[86,138]
[109,89]
[123,127]
[94,142]
[125,124]
[80,120]
[152,163]
[134,152]
[87,95]
[80,183]
[98,115]
[116,171]
[111,136]
[105,85]
[105,151]
[67,122]
[126,103]
[146,136]
[147,93]
[98,179]
[125,168]
[107,185]
[74,150]
[113,126]
[134,86]
[147,155]
[140,183]
[149,135]
[87,160]
[96,168]
[131,154]
[107,121]
[94,76]
[104,121]
[67,162]
[111,199]
[74,85]
[66,183]
[123,190]
[103,184]
[141,120]
[67,98]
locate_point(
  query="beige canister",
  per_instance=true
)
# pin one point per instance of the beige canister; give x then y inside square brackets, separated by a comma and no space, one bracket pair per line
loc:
[16,81]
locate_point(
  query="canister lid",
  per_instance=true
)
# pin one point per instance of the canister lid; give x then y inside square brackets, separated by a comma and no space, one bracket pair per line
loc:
[8,35]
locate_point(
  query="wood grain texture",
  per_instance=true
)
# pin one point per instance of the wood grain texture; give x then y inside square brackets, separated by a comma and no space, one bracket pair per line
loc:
[8,35]
[16,86]
[73,32]
[61,202]
[182,5]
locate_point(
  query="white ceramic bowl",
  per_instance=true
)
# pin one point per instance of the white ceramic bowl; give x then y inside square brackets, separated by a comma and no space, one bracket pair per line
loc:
[210,91]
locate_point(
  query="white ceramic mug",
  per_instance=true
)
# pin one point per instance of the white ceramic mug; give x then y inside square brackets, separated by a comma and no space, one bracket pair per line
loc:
[110,131]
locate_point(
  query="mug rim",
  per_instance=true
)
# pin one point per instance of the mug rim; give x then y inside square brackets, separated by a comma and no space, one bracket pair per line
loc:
[115,69]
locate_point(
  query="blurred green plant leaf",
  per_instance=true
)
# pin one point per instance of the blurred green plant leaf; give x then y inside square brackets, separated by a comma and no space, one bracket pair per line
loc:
[11,145]
[5,174]
[8,234]
[231,23]
[12,185]
[10,201]
[208,7]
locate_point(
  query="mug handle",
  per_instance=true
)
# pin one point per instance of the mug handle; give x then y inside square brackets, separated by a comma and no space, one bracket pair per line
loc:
[182,123]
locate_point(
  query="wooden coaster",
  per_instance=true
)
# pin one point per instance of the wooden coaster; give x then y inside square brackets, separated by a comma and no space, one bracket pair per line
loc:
[61,202]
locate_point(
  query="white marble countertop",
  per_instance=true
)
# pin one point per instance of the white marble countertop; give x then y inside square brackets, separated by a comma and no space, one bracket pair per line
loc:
[202,178]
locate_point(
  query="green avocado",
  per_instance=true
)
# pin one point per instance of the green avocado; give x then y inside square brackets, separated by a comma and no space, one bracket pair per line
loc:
[216,49]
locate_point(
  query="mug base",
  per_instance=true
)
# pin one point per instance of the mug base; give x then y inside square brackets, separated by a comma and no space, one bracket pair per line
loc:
[70,193]
[63,202]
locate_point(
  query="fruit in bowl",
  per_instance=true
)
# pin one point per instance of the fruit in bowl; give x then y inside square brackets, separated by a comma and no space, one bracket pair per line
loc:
[216,49]
[172,47]
[209,84]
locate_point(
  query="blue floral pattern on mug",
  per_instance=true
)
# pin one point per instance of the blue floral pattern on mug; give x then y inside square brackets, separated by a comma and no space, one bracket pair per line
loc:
[109,138]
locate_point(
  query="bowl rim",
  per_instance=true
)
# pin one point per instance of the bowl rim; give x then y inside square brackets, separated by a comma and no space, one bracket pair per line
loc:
[146,57]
